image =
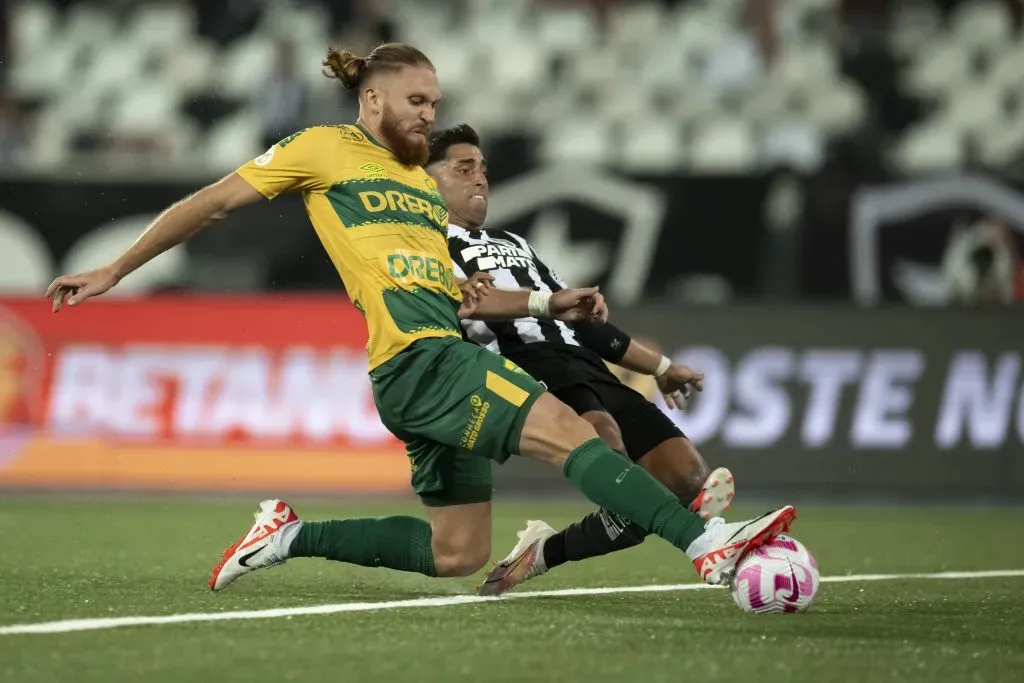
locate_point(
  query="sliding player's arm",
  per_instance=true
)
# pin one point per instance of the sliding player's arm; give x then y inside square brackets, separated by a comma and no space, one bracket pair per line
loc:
[676,381]
[278,170]
[482,301]
[570,305]
[615,346]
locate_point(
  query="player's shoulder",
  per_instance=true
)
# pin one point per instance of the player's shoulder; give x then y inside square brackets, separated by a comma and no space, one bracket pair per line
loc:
[326,134]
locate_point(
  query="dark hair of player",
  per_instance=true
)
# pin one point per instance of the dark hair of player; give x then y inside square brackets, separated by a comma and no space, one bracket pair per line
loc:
[456,135]
[353,71]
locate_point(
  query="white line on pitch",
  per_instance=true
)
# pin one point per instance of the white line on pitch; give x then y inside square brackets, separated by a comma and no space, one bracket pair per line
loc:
[70,625]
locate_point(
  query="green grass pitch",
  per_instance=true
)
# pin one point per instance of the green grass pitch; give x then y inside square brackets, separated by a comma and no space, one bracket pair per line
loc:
[98,558]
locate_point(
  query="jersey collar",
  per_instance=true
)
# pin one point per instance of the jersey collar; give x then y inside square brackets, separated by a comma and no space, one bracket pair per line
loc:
[369,137]
[462,227]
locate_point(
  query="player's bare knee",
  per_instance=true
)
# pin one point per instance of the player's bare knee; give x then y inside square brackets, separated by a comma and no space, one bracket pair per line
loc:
[552,431]
[460,538]
[462,562]
[606,427]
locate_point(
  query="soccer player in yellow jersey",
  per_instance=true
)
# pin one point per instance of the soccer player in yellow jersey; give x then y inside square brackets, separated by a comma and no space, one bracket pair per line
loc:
[457,406]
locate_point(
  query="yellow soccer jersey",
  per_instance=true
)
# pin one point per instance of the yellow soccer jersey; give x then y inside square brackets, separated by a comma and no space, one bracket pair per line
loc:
[383,224]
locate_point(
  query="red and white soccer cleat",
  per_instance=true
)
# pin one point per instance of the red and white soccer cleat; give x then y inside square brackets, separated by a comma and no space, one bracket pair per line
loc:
[260,547]
[716,552]
[525,562]
[716,495]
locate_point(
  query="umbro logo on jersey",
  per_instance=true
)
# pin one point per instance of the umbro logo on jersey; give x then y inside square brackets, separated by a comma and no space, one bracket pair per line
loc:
[374,171]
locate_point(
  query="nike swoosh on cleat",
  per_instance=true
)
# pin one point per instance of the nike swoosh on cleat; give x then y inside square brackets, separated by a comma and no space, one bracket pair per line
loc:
[243,560]
[753,521]
[509,568]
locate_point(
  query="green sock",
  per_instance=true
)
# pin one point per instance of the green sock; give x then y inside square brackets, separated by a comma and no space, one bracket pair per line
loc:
[396,542]
[615,483]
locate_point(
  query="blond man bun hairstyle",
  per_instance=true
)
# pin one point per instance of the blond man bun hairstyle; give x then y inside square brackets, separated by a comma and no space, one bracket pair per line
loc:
[354,71]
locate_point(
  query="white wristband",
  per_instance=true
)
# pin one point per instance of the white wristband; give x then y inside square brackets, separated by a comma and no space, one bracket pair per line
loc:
[663,366]
[539,304]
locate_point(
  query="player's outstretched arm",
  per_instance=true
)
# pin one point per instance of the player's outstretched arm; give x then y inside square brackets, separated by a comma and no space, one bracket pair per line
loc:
[173,226]
[571,305]
[675,381]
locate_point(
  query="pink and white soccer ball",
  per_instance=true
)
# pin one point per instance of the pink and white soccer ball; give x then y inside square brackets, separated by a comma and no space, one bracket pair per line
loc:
[780,576]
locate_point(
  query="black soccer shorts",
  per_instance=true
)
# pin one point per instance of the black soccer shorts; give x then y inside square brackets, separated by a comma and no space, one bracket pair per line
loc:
[580,379]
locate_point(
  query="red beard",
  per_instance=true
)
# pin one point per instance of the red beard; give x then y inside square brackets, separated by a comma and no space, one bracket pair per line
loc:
[409,151]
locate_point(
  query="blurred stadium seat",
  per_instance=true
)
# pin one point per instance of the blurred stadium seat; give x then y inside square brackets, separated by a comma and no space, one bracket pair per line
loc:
[151,61]
[841,93]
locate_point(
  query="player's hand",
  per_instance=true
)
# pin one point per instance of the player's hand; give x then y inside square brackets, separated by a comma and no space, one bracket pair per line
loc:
[599,313]
[75,289]
[477,286]
[678,384]
[575,305]
[474,290]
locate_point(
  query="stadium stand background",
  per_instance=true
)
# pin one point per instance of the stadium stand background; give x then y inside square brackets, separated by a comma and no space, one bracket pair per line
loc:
[813,97]
[705,86]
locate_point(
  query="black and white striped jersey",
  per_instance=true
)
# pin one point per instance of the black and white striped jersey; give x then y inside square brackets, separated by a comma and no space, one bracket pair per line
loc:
[514,265]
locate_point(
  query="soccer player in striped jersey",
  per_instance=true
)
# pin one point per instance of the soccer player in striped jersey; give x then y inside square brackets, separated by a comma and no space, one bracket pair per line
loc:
[569,359]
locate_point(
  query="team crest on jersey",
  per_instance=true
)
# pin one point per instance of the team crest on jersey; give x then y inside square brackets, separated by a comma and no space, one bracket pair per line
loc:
[351,134]
[374,171]
[265,158]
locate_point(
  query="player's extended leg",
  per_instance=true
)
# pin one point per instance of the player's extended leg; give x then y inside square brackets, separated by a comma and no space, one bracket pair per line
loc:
[554,434]
[455,541]
[455,486]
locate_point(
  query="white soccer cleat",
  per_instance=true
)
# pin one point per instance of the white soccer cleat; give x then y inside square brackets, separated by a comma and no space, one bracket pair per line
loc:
[716,552]
[716,495]
[259,548]
[522,564]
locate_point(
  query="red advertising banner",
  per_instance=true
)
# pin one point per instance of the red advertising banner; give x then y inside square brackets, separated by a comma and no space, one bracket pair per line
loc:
[222,393]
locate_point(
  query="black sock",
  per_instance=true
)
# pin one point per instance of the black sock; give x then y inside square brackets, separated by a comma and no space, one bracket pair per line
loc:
[599,533]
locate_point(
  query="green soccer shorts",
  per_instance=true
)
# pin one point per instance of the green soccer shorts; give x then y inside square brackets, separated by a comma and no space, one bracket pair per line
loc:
[457,407]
